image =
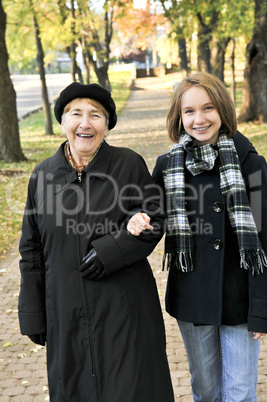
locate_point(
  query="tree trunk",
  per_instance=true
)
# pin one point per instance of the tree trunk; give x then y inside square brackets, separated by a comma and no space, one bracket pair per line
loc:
[72,55]
[203,52]
[183,57]
[86,59]
[40,61]
[79,72]
[74,69]
[102,64]
[217,60]
[101,71]
[254,97]
[233,86]
[203,47]
[10,148]
[205,63]
[102,76]
[86,66]
[190,56]
[72,46]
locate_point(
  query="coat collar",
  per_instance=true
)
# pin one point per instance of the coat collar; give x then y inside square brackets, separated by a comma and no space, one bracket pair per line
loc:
[243,146]
[63,174]
[101,162]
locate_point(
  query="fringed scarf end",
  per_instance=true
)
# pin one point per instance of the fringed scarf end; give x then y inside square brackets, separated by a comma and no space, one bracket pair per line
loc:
[183,261]
[254,259]
[168,257]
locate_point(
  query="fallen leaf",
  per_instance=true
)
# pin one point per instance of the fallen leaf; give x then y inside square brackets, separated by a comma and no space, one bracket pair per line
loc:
[7,344]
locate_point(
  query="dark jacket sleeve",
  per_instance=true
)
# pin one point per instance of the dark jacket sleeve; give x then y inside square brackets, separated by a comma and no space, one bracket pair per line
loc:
[158,176]
[157,171]
[257,182]
[31,307]
[120,248]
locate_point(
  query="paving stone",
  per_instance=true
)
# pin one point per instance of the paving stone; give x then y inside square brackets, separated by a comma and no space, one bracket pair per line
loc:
[22,398]
[4,398]
[13,391]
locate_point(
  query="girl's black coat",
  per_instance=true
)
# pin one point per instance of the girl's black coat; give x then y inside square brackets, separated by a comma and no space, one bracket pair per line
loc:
[218,291]
[106,338]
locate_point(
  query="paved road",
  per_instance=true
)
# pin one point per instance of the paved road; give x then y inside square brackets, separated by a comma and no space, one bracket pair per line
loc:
[141,126]
[28,90]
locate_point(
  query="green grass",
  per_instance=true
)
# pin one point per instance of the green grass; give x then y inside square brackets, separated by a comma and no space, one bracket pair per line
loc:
[37,146]
[257,134]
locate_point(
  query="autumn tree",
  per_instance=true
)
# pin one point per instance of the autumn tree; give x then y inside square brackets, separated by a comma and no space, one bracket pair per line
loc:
[10,149]
[65,26]
[92,31]
[102,47]
[138,30]
[25,29]
[72,48]
[204,18]
[216,22]
[229,20]
[213,35]
[254,97]
[41,67]
[179,19]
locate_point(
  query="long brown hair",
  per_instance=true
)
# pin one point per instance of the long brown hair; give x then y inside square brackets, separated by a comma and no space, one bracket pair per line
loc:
[219,96]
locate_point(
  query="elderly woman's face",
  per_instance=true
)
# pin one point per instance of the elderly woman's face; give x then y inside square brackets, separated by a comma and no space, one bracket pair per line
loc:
[85,127]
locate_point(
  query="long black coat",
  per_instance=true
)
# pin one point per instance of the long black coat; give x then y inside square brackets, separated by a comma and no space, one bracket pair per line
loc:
[106,338]
[218,291]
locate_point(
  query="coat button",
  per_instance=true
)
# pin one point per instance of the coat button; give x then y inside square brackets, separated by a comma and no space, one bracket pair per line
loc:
[217,207]
[217,244]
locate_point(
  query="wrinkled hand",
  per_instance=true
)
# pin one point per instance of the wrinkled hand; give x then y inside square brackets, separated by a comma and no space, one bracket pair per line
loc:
[138,223]
[91,267]
[39,339]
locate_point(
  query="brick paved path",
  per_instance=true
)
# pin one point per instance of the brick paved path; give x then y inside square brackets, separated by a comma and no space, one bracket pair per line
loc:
[23,378]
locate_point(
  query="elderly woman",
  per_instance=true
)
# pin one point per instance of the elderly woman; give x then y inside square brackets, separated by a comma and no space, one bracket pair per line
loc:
[87,289]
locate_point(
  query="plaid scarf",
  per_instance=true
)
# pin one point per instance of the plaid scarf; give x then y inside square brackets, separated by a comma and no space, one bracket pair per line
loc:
[179,242]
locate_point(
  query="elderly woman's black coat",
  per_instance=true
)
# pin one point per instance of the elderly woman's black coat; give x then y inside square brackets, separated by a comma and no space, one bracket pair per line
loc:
[106,338]
[218,291]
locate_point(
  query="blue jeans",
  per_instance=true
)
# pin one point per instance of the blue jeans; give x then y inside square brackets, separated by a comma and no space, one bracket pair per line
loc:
[223,362]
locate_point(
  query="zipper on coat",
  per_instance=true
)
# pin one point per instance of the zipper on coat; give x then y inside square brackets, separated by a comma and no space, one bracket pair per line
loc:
[87,307]
[87,310]
[94,379]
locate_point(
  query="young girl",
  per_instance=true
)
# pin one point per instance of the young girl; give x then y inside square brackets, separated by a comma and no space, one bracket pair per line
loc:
[216,240]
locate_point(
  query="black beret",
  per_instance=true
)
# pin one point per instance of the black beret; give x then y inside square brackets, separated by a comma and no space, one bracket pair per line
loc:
[91,91]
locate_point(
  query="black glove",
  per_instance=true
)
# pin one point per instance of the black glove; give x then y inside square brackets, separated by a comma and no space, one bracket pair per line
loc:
[91,267]
[40,339]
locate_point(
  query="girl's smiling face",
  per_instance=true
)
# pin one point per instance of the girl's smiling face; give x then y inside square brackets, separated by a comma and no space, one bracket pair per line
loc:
[85,126]
[200,118]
